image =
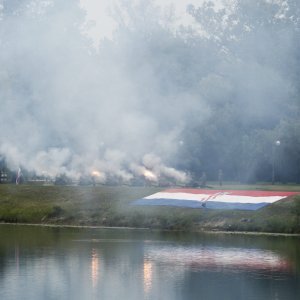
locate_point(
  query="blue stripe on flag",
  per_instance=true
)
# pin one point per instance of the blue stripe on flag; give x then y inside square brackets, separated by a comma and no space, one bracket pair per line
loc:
[199,204]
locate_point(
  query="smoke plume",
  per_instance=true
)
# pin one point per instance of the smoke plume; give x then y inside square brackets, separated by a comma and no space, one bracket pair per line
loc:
[151,101]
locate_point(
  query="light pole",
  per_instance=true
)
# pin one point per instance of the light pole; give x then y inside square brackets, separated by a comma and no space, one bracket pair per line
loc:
[276,144]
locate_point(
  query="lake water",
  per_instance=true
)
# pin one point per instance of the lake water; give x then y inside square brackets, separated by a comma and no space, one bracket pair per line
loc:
[72,263]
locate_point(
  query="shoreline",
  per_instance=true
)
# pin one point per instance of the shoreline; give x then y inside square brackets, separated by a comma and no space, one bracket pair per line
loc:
[252,233]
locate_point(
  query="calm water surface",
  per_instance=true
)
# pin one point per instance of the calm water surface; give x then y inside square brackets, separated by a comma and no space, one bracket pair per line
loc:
[71,263]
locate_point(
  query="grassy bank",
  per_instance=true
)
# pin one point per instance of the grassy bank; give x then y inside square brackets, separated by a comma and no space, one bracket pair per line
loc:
[110,206]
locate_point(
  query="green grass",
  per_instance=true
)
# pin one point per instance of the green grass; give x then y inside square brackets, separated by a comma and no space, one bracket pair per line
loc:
[261,186]
[110,206]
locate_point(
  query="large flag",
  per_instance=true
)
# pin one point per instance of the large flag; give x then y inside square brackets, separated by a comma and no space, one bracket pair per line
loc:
[214,199]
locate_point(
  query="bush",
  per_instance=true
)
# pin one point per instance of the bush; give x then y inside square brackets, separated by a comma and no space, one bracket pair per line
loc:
[56,212]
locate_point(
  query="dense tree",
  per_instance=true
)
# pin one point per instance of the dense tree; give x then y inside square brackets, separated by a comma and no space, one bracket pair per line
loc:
[251,89]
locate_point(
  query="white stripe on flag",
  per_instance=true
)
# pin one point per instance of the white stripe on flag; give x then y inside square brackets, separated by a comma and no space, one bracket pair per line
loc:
[218,197]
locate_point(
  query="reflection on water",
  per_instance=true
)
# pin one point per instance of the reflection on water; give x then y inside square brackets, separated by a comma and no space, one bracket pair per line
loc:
[214,259]
[37,263]
[95,267]
[17,258]
[147,276]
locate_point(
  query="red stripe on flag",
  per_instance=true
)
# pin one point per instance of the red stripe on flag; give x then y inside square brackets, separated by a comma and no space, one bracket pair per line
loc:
[232,192]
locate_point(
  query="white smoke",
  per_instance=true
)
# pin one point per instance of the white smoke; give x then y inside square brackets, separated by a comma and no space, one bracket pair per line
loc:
[155,164]
[120,110]
[66,109]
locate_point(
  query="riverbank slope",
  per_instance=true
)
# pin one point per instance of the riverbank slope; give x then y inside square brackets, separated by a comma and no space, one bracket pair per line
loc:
[111,206]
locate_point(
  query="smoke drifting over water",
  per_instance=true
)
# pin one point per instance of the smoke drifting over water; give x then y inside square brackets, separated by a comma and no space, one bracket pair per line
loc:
[124,109]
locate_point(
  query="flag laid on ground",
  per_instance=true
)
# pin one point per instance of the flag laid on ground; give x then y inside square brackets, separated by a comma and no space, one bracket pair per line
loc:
[214,199]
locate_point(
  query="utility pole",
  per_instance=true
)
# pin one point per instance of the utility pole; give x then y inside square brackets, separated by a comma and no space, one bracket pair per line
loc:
[276,145]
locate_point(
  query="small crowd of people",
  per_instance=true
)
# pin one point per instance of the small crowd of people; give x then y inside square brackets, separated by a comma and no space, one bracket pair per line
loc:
[203,179]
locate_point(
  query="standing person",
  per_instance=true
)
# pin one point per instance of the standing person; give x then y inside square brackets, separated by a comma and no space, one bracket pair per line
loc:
[203,180]
[220,177]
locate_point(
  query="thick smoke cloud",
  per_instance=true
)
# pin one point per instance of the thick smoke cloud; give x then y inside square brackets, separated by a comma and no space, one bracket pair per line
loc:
[66,109]
[150,100]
